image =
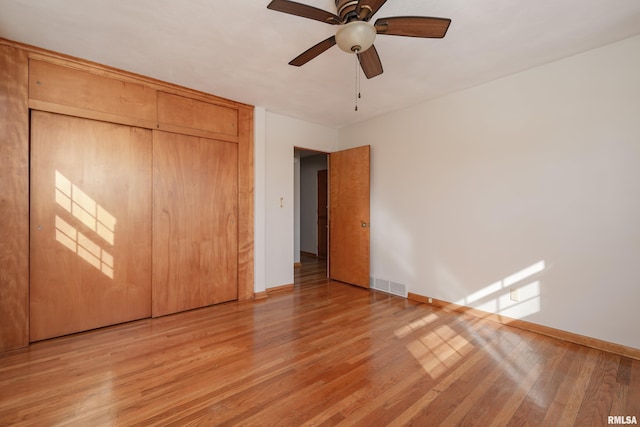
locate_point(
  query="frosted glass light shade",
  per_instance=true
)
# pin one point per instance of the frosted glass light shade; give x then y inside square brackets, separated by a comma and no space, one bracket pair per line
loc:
[356,36]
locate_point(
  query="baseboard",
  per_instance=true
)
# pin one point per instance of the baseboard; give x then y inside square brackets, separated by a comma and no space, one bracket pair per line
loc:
[278,289]
[598,344]
[297,264]
[275,290]
[260,295]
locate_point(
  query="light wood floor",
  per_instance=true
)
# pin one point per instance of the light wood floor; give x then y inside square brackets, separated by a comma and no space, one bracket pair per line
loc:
[324,354]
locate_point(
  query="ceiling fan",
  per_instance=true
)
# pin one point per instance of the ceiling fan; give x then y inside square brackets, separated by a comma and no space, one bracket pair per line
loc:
[356,34]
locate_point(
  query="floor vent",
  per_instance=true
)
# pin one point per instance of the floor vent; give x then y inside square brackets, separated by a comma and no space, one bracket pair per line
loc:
[381,285]
[398,289]
[389,287]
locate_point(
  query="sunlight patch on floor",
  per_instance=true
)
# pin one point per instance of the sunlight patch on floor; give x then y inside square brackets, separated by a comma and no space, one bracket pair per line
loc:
[415,325]
[439,350]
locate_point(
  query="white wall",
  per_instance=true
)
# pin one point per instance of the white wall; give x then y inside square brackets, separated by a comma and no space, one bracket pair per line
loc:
[309,167]
[282,135]
[540,169]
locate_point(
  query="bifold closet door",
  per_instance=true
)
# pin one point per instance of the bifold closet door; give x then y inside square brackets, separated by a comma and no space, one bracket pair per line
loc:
[90,252]
[195,222]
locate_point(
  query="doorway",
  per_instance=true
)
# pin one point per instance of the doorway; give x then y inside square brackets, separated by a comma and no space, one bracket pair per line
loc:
[311,233]
[347,201]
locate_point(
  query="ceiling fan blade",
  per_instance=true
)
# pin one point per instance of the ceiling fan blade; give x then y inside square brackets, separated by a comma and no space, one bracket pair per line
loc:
[370,62]
[367,8]
[413,26]
[311,53]
[304,11]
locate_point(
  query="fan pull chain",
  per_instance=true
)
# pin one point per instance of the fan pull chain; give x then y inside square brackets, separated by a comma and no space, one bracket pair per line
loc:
[356,82]
[357,94]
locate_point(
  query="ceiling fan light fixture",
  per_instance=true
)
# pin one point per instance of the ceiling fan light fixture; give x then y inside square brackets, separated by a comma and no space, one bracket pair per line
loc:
[356,36]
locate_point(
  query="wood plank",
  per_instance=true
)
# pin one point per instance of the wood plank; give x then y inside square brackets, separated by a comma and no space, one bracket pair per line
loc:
[502,402]
[245,204]
[91,234]
[519,408]
[311,268]
[560,406]
[66,86]
[52,107]
[453,386]
[632,404]
[194,114]
[14,199]
[183,130]
[288,360]
[195,222]
[600,392]
[578,389]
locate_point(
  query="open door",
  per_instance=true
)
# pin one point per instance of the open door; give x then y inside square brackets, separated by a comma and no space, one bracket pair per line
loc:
[349,216]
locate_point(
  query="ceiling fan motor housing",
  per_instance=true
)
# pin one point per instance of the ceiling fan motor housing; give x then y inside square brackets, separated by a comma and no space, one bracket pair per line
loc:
[347,9]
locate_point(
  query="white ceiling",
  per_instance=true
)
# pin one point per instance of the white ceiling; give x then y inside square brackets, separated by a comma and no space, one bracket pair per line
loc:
[239,49]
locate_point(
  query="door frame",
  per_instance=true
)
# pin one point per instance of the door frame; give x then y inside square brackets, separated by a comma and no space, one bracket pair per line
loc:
[328,255]
[297,149]
[322,195]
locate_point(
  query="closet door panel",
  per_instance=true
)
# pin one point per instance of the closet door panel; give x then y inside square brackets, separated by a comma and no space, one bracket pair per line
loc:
[195,230]
[90,224]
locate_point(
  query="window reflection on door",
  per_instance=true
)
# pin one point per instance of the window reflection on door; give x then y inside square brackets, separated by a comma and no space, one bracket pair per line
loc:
[83,209]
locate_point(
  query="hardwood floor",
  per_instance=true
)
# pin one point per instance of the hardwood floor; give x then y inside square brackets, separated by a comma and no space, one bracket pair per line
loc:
[324,354]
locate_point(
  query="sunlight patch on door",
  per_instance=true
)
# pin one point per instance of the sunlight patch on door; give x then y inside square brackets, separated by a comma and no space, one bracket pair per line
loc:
[90,214]
[74,240]
[84,208]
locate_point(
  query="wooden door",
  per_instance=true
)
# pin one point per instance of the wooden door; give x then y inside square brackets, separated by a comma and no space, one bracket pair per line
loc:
[323,230]
[195,222]
[90,252]
[349,216]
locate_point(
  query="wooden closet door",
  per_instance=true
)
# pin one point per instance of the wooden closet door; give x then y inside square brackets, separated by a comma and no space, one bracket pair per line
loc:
[90,254]
[195,222]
